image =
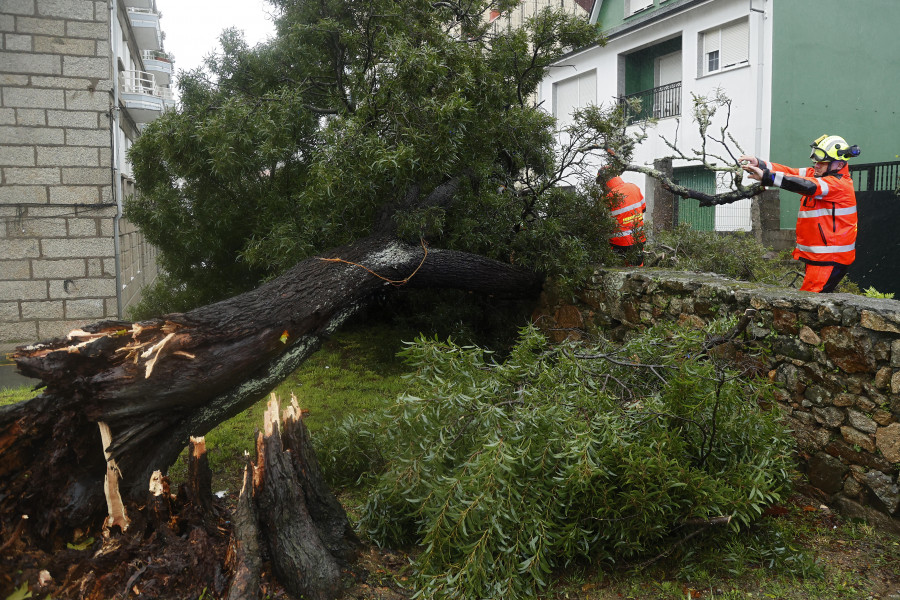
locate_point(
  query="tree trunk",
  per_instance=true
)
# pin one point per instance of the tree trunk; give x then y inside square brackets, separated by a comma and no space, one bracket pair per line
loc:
[157,382]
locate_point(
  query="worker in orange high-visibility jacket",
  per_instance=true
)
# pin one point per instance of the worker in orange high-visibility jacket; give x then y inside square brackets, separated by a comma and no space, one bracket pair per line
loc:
[826,222]
[627,206]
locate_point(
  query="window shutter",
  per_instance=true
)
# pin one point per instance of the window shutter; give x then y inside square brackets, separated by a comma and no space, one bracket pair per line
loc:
[632,6]
[735,44]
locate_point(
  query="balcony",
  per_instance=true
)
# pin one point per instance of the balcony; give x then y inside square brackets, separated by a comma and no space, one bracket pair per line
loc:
[145,24]
[143,98]
[658,103]
[139,3]
[158,63]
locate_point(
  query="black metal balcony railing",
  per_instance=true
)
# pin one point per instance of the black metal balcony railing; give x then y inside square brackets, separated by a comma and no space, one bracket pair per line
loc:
[657,103]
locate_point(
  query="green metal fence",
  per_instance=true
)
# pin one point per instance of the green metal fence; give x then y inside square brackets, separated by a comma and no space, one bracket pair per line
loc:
[689,210]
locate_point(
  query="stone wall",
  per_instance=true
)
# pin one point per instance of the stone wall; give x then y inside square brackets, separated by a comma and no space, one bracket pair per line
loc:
[836,358]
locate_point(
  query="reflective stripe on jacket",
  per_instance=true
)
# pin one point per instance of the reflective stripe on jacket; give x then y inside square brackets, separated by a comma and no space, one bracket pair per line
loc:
[827,220]
[627,205]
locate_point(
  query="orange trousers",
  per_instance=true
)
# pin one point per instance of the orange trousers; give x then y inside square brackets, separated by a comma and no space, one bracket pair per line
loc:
[823,277]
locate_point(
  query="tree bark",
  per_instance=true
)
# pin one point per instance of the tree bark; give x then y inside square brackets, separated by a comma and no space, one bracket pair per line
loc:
[157,382]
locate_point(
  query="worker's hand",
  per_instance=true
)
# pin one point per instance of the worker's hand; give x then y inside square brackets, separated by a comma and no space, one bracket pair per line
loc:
[749,160]
[753,172]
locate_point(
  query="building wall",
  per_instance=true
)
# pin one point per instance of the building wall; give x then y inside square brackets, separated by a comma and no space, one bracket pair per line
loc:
[835,71]
[57,202]
[747,85]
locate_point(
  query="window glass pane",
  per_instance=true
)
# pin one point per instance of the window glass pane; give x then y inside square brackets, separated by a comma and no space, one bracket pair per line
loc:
[712,61]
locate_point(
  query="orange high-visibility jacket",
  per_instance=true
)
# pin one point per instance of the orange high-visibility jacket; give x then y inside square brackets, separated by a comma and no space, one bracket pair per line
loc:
[627,205]
[826,223]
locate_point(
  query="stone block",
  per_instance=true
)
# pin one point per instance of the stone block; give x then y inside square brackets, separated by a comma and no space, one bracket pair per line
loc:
[18,43]
[883,378]
[844,399]
[784,321]
[20,62]
[855,437]
[79,10]
[7,23]
[64,46]
[43,227]
[895,383]
[895,354]
[91,30]
[808,336]
[829,416]
[67,156]
[9,311]
[73,268]
[92,308]
[86,100]
[22,194]
[82,288]
[18,332]
[849,349]
[32,176]
[31,117]
[827,472]
[79,66]
[884,488]
[41,26]
[15,269]
[86,176]
[63,83]
[18,7]
[87,137]
[883,417]
[23,290]
[58,329]
[7,115]
[86,227]
[42,310]
[861,421]
[74,194]
[30,136]
[72,118]
[77,248]
[16,156]
[887,439]
[879,322]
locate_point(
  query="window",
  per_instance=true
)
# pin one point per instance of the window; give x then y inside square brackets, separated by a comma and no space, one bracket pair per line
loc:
[573,93]
[635,6]
[725,47]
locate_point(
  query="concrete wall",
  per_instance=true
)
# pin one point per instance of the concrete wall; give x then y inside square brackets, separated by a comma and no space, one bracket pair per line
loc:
[836,358]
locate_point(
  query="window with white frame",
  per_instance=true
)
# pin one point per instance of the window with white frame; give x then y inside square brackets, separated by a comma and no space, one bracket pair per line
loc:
[573,93]
[635,6]
[725,47]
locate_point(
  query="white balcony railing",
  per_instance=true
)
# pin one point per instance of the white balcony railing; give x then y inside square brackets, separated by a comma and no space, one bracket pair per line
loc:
[143,97]
[145,25]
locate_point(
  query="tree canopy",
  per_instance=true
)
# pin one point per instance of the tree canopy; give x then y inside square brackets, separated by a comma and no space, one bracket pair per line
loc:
[343,125]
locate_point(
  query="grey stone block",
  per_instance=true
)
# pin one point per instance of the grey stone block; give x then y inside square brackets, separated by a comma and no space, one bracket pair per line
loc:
[73,118]
[30,136]
[86,100]
[68,156]
[7,115]
[63,83]
[40,26]
[87,176]
[18,332]
[92,30]
[88,137]
[59,269]
[13,249]
[32,176]
[64,46]
[15,269]
[79,10]
[16,156]
[23,290]
[42,310]
[82,288]
[20,62]
[33,98]
[83,227]
[92,308]
[43,227]
[31,117]
[18,43]
[98,247]
[72,194]
[22,194]
[77,66]
[9,311]
[19,7]
[7,23]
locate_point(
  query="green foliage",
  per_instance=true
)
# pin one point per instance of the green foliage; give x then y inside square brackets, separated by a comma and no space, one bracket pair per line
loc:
[738,255]
[504,472]
[16,394]
[354,114]
[871,292]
